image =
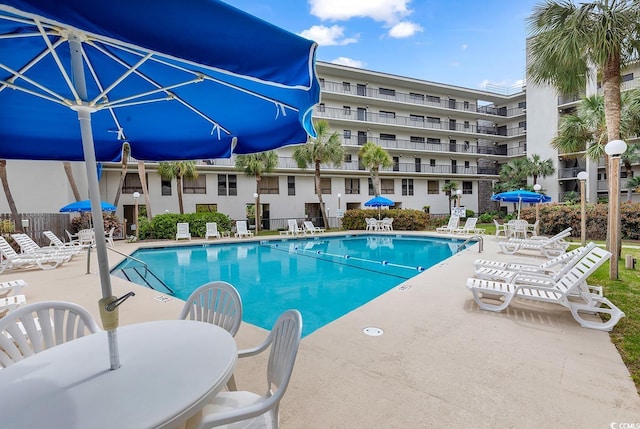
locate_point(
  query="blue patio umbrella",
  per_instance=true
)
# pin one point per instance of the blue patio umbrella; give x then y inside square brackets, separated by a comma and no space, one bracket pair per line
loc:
[521,196]
[175,80]
[85,206]
[379,202]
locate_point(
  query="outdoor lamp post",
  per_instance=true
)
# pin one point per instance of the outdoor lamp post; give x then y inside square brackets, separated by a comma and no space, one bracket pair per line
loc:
[136,196]
[459,196]
[582,177]
[537,187]
[257,198]
[614,149]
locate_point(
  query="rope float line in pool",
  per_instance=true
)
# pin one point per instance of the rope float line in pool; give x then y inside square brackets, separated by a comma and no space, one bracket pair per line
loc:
[320,252]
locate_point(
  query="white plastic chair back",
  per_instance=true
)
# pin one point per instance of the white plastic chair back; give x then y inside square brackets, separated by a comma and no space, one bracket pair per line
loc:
[36,327]
[218,303]
[212,230]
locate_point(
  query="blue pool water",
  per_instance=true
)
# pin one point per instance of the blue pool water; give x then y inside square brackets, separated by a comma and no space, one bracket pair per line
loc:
[323,277]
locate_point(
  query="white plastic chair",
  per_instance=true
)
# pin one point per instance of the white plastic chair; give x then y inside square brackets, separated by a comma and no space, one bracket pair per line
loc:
[212,230]
[182,229]
[109,237]
[216,302]
[294,229]
[11,287]
[240,409]
[501,228]
[24,332]
[241,229]
[451,226]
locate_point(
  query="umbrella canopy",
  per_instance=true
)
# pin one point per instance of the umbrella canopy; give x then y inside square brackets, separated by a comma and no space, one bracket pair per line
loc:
[85,206]
[175,80]
[379,201]
[521,196]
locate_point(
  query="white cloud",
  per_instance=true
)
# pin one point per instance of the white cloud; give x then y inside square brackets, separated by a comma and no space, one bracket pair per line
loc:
[464,47]
[387,11]
[328,36]
[344,61]
[404,29]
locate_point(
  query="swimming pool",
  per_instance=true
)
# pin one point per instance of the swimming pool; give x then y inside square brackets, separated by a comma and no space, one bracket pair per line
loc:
[323,277]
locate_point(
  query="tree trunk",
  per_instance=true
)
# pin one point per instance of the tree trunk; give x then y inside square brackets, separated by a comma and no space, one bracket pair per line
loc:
[179,186]
[7,192]
[376,182]
[123,174]
[145,190]
[319,194]
[72,180]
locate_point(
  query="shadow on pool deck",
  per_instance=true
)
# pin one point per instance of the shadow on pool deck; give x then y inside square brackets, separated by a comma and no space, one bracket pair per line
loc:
[441,362]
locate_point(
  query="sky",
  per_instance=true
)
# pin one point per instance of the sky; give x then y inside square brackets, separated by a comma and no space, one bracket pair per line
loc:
[467,43]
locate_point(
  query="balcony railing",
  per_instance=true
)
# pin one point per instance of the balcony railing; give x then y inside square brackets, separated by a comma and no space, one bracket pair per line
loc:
[424,146]
[409,121]
[419,99]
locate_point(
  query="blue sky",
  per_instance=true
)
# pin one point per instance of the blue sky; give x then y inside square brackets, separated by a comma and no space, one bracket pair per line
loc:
[459,42]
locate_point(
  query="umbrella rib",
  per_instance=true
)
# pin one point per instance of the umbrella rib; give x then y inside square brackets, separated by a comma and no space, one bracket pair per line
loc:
[55,57]
[131,69]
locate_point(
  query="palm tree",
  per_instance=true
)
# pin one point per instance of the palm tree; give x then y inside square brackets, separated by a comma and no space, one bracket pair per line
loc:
[566,40]
[180,170]
[630,157]
[514,173]
[7,192]
[145,190]
[257,164]
[326,148]
[539,168]
[373,157]
[72,180]
[126,150]
[450,189]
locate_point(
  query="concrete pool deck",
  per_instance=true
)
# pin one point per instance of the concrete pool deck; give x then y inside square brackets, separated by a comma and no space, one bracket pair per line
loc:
[441,362]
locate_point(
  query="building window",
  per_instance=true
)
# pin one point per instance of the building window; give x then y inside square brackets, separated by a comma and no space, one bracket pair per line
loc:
[432,163]
[387,114]
[466,124]
[407,186]
[522,124]
[466,164]
[418,164]
[416,139]
[432,187]
[391,137]
[386,186]
[396,163]
[206,208]
[132,184]
[227,184]
[416,118]
[195,186]
[433,120]
[346,86]
[627,77]
[325,185]
[347,110]
[165,187]
[371,186]
[433,99]
[346,135]
[466,105]
[431,140]
[362,137]
[321,82]
[416,98]
[352,186]
[269,185]
[321,107]
[291,185]
[522,105]
[386,91]
[467,188]
[347,157]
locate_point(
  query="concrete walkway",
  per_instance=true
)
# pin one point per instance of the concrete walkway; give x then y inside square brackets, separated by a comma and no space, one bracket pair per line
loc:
[441,362]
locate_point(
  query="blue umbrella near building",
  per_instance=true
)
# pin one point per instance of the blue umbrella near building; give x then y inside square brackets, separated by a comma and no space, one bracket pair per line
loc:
[379,202]
[85,206]
[175,80]
[521,196]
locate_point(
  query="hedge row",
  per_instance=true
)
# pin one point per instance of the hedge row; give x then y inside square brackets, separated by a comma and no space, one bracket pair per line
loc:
[403,220]
[164,226]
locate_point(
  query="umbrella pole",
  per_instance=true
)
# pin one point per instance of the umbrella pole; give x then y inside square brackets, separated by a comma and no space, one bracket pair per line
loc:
[84,117]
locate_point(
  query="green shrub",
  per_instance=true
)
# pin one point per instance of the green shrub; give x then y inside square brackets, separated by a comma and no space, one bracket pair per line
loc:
[164,226]
[403,220]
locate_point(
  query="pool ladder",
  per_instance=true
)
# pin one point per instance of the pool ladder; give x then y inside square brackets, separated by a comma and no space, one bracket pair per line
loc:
[142,275]
[476,237]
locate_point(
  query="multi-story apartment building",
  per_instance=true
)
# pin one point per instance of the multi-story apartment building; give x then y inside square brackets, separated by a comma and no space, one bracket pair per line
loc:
[434,133]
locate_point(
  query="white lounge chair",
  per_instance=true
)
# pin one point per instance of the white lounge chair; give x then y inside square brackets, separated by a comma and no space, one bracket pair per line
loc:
[496,296]
[241,229]
[251,409]
[469,227]
[30,247]
[10,303]
[11,287]
[73,247]
[451,226]
[293,229]
[548,246]
[501,228]
[310,228]
[182,231]
[14,260]
[212,230]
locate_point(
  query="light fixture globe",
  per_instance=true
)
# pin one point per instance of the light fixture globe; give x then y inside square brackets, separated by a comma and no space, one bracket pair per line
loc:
[583,176]
[255,195]
[615,147]
[537,187]
[136,195]
[459,192]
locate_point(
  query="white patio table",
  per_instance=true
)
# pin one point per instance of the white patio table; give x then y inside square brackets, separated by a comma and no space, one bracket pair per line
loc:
[170,370]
